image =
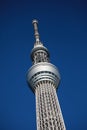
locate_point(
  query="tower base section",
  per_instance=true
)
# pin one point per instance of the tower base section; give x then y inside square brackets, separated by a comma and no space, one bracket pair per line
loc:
[48,112]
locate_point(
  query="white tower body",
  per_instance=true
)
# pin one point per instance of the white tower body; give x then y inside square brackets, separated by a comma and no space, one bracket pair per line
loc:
[43,78]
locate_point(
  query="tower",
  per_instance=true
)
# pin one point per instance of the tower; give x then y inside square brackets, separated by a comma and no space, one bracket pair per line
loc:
[43,78]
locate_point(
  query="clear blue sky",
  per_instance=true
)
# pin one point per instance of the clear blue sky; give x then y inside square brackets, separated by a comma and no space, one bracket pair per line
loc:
[63,30]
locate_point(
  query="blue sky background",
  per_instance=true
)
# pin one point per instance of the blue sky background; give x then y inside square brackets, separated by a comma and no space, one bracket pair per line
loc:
[63,30]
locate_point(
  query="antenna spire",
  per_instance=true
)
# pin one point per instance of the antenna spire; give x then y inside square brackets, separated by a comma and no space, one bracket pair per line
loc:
[36,34]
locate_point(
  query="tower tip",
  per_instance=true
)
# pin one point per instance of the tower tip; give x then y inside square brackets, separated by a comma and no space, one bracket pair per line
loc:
[36,33]
[34,21]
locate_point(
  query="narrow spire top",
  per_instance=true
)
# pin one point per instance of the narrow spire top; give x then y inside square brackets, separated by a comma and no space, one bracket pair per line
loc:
[36,33]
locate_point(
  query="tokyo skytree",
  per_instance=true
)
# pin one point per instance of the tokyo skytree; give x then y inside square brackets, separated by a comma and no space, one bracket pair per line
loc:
[43,78]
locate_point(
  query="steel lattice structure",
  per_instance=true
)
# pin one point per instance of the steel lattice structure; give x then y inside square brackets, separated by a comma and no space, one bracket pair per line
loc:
[43,78]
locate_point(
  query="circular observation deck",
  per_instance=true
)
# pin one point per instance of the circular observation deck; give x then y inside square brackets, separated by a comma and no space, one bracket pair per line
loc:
[42,71]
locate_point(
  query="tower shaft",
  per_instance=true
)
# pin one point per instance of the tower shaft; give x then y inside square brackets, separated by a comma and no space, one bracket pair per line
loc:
[48,112]
[43,78]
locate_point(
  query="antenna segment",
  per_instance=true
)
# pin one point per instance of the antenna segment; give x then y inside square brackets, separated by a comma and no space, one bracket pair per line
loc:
[36,34]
